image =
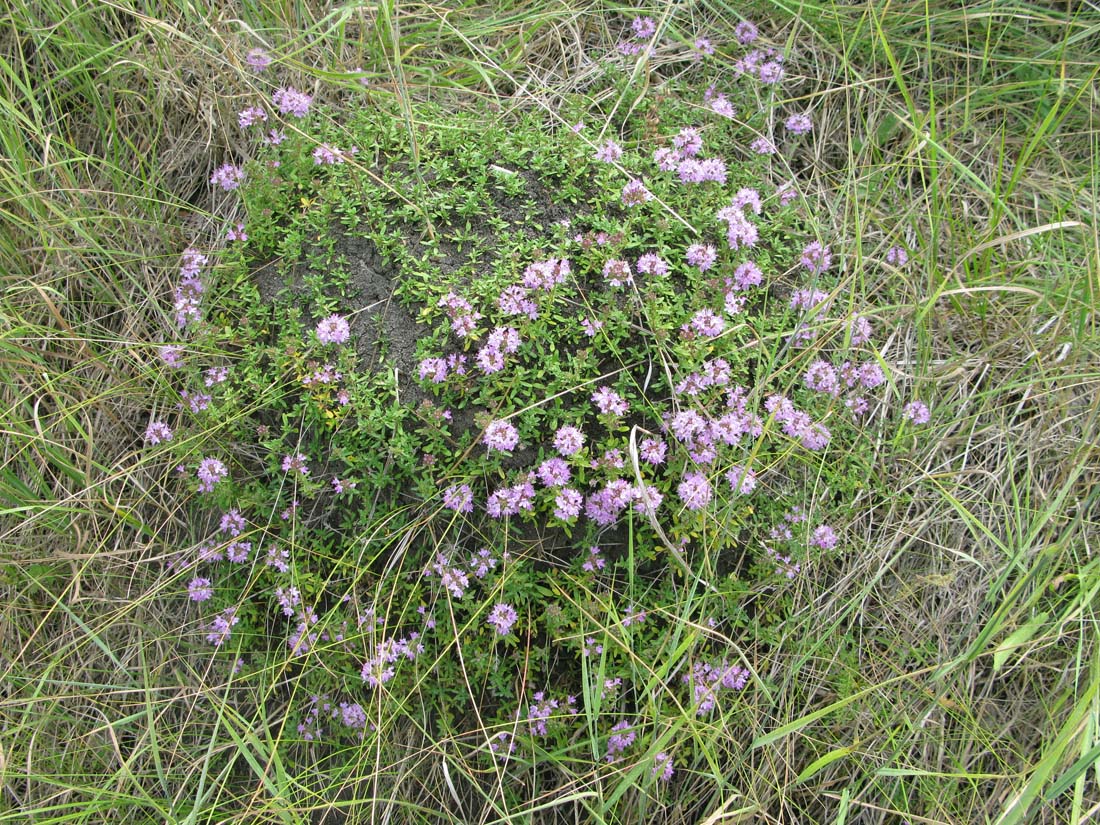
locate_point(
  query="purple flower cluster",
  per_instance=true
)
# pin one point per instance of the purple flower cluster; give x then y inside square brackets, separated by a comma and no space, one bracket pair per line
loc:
[622,737]
[381,667]
[510,501]
[568,440]
[290,101]
[651,264]
[662,767]
[333,330]
[459,497]
[210,472]
[617,273]
[635,194]
[221,627]
[463,317]
[799,124]
[502,617]
[766,65]
[682,159]
[917,412]
[251,115]
[816,258]
[258,59]
[188,296]
[326,155]
[897,256]
[796,423]
[501,341]
[158,431]
[200,589]
[740,231]
[546,275]
[227,176]
[707,679]
[609,152]
[545,710]
[500,435]
[609,402]
[701,256]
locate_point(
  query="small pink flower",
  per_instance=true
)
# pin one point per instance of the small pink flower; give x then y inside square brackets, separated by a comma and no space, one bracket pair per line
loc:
[333,330]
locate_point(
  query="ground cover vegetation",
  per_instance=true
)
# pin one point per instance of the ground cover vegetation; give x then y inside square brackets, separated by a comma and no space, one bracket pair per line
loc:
[549,413]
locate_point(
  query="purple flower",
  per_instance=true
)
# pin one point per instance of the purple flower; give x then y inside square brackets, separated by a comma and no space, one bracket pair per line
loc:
[506,339]
[745,32]
[171,355]
[232,522]
[643,27]
[897,256]
[237,234]
[702,256]
[554,472]
[459,497]
[509,501]
[290,101]
[222,626]
[513,300]
[871,376]
[251,115]
[917,412]
[860,329]
[326,155]
[662,767]
[501,435]
[237,551]
[816,257]
[824,537]
[771,72]
[210,472]
[433,369]
[720,105]
[747,275]
[703,47]
[651,264]
[707,323]
[688,142]
[258,59]
[619,741]
[158,431]
[595,561]
[200,589]
[667,160]
[822,377]
[502,617]
[799,124]
[609,152]
[617,273]
[296,463]
[695,491]
[568,440]
[742,481]
[652,451]
[807,299]
[333,330]
[490,359]
[567,505]
[591,327]
[635,193]
[763,146]
[227,176]
[609,402]
[279,558]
